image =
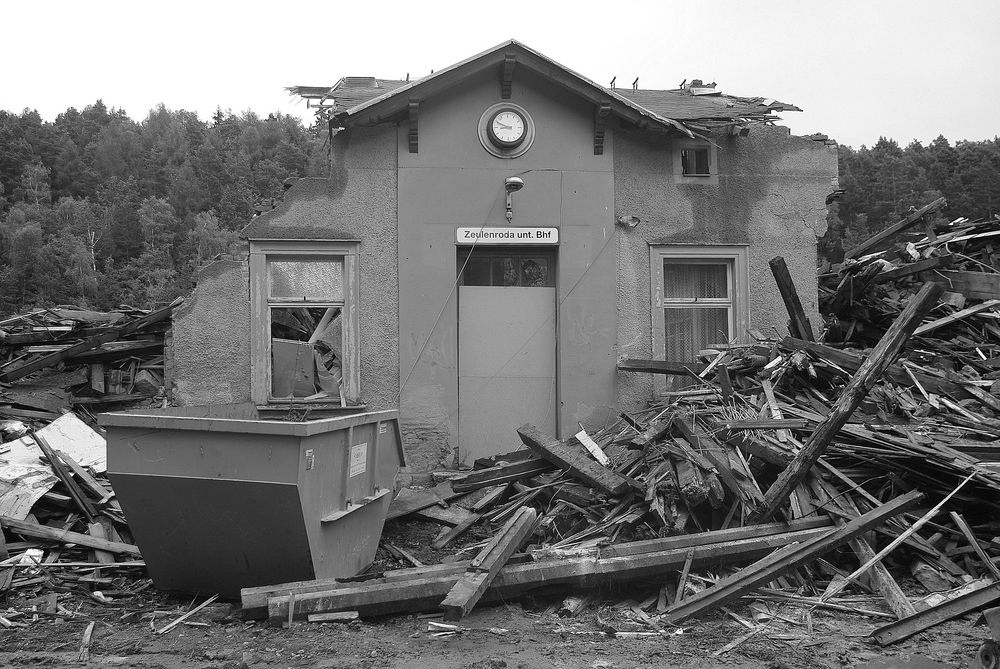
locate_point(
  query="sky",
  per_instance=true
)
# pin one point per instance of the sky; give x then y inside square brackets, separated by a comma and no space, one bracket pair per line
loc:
[860,69]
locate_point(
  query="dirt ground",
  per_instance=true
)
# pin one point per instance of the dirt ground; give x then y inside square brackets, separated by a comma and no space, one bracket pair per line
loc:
[518,635]
[526,634]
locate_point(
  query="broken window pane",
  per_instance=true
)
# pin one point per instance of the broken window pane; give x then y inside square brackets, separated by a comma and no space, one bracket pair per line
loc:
[686,280]
[309,279]
[689,330]
[536,272]
[306,352]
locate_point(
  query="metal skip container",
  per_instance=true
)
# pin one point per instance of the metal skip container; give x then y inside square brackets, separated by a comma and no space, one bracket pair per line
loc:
[219,500]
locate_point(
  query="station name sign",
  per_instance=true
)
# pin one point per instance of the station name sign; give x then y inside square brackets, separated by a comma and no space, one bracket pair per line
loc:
[483,236]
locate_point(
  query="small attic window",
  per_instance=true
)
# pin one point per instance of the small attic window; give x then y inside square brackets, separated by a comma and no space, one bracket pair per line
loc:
[694,162]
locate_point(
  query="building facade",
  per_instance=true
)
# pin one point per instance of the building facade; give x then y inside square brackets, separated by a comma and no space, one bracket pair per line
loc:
[493,239]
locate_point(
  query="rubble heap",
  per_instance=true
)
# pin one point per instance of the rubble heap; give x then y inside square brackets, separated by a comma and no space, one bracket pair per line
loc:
[768,470]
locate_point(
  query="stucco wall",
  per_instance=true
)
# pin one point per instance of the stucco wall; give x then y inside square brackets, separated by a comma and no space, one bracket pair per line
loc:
[770,196]
[209,351]
[357,201]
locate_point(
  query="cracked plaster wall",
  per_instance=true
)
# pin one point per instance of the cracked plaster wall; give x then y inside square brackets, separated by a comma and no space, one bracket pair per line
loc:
[770,196]
[211,339]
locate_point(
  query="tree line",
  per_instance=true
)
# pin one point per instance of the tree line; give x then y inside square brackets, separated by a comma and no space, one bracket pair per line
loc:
[98,210]
[883,183]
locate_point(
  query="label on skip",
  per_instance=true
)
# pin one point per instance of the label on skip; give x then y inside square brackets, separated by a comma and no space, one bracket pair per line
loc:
[359,458]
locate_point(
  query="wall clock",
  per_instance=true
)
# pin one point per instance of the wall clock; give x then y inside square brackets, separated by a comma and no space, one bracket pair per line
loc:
[506,130]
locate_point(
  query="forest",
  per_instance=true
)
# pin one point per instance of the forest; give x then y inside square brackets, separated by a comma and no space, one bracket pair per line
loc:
[98,210]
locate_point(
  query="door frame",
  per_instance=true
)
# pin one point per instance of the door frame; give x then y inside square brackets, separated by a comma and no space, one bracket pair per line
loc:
[551,251]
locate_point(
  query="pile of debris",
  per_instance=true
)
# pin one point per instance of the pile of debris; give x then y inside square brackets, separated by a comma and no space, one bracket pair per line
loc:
[67,532]
[91,359]
[64,535]
[797,459]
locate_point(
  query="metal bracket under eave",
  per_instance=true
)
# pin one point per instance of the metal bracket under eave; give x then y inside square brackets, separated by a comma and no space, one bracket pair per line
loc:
[414,114]
[601,115]
[507,75]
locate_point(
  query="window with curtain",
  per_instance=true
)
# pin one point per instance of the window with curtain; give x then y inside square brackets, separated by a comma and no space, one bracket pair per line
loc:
[699,299]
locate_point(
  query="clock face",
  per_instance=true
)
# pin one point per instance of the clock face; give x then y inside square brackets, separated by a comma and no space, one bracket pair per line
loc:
[507,128]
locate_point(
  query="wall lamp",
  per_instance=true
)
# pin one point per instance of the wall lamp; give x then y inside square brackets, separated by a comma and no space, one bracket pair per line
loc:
[511,185]
[628,220]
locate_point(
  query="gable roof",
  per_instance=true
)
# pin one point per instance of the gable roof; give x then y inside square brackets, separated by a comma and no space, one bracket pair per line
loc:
[368,101]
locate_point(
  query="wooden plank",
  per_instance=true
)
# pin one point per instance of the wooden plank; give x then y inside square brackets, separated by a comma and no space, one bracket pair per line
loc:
[592,447]
[499,474]
[421,594]
[254,600]
[894,229]
[579,464]
[12,373]
[952,318]
[456,531]
[851,363]
[409,500]
[484,568]
[453,515]
[952,608]
[854,392]
[971,538]
[766,424]
[786,559]
[943,261]
[660,367]
[884,583]
[87,481]
[798,325]
[974,285]
[37,531]
[6,573]
[57,466]
[96,530]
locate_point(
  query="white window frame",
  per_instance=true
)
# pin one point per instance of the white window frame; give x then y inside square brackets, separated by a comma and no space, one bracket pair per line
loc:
[712,178]
[736,259]
[260,314]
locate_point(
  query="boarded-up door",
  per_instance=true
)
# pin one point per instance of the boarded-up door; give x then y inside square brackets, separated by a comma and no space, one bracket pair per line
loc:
[506,363]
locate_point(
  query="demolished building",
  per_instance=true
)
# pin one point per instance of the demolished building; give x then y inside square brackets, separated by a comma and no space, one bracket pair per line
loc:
[492,240]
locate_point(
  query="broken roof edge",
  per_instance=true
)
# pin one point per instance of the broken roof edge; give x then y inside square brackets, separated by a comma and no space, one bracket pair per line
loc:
[554,68]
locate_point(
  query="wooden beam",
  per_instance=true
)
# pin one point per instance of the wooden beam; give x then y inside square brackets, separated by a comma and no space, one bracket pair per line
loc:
[851,363]
[798,325]
[937,262]
[37,531]
[412,135]
[660,367]
[421,594]
[947,610]
[507,75]
[974,542]
[574,459]
[10,373]
[974,285]
[254,600]
[786,559]
[854,392]
[957,316]
[408,501]
[484,478]
[484,568]
[601,115]
[895,229]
